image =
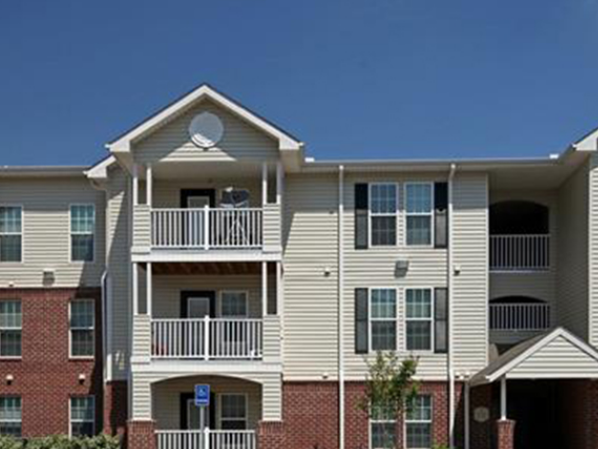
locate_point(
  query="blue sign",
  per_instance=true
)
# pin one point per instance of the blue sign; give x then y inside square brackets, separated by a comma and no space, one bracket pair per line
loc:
[202,395]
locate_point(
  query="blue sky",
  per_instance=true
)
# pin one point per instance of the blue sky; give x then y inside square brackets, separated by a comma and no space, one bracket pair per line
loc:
[352,78]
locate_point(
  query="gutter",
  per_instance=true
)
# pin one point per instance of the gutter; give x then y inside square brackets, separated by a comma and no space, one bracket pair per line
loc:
[450,274]
[341,275]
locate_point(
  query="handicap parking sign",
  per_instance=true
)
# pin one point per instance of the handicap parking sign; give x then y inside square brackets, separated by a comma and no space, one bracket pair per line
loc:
[202,395]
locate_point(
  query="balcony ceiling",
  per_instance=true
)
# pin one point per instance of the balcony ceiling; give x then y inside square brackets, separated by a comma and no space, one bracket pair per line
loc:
[209,268]
[202,170]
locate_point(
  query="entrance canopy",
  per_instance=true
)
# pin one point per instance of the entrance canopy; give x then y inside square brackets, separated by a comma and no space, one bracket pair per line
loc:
[557,354]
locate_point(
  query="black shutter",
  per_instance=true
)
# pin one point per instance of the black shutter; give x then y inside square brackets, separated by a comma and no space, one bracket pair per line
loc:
[361,216]
[440,215]
[441,306]
[361,321]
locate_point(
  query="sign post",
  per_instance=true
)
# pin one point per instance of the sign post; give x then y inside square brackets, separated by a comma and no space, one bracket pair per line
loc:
[202,400]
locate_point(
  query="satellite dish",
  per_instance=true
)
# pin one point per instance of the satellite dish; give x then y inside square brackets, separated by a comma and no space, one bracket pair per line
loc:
[206,130]
[235,198]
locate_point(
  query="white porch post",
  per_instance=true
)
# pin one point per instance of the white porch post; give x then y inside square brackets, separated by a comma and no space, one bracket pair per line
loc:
[279,181]
[149,185]
[503,398]
[264,289]
[148,269]
[135,288]
[264,183]
[279,290]
[135,185]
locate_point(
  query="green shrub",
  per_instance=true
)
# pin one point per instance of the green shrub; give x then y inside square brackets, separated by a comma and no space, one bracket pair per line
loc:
[62,442]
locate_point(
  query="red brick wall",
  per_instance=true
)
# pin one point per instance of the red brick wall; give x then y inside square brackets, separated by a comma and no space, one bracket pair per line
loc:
[140,435]
[45,378]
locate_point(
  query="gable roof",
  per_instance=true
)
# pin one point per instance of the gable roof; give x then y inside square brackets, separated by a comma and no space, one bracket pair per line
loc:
[122,144]
[556,354]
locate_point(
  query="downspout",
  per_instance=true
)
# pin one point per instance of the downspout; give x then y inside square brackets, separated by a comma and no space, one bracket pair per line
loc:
[341,256]
[450,273]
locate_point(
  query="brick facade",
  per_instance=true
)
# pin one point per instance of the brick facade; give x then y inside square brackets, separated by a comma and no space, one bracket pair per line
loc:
[44,376]
[505,434]
[141,435]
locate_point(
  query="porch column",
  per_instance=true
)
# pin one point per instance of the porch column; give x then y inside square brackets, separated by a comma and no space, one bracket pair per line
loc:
[264,289]
[279,181]
[141,427]
[149,185]
[279,290]
[135,184]
[135,287]
[264,184]
[503,398]
[148,273]
[505,428]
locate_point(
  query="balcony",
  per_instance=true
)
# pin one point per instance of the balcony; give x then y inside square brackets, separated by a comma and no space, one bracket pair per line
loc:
[207,338]
[520,317]
[520,252]
[206,439]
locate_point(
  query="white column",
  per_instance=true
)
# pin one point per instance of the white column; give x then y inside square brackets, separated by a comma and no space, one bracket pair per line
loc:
[279,290]
[148,268]
[264,289]
[149,185]
[264,183]
[503,398]
[135,288]
[279,181]
[135,185]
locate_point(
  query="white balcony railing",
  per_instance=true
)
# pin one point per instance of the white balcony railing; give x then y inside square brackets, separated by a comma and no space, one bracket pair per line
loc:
[519,317]
[206,228]
[207,338]
[207,439]
[520,252]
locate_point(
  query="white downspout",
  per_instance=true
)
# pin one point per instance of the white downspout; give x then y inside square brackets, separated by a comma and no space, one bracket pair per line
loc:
[341,309]
[451,374]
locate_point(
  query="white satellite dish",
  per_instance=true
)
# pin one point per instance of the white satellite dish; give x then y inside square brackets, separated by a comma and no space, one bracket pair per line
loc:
[206,130]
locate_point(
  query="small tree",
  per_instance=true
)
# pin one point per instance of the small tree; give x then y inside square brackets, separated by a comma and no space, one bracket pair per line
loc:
[390,388]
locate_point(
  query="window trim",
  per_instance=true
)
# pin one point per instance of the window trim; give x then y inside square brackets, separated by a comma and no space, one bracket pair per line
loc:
[93,402]
[219,409]
[14,396]
[22,233]
[407,421]
[93,329]
[219,303]
[406,319]
[371,350]
[395,215]
[380,421]
[94,233]
[419,214]
[13,357]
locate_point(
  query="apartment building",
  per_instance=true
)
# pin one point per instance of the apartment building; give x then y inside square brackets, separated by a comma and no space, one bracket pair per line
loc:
[207,249]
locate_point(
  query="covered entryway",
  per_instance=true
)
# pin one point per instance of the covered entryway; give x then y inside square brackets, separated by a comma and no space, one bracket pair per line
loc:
[542,394]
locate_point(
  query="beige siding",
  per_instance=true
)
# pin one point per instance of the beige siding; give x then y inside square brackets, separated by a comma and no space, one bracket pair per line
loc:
[172,142]
[559,358]
[470,286]
[572,265]
[310,294]
[46,232]
[593,248]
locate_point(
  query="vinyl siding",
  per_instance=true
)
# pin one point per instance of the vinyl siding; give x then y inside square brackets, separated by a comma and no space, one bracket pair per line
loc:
[171,142]
[559,358]
[572,265]
[46,232]
[593,247]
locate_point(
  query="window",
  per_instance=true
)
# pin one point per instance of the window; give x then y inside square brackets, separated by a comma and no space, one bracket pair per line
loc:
[82,416]
[10,416]
[233,304]
[383,429]
[419,319]
[83,218]
[10,328]
[419,208]
[383,214]
[233,412]
[11,228]
[419,423]
[82,327]
[383,312]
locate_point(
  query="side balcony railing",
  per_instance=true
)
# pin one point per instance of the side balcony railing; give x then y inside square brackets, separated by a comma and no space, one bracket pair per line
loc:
[207,338]
[518,317]
[206,439]
[519,252]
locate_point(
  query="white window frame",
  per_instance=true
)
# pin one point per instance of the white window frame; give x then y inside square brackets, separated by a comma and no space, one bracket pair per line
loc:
[221,293]
[419,214]
[377,214]
[408,421]
[8,421]
[380,421]
[371,319]
[431,319]
[93,234]
[219,409]
[92,328]
[20,328]
[22,234]
[93,404]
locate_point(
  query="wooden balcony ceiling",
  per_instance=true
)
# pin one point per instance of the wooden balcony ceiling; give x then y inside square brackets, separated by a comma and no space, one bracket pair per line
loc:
[210,268]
